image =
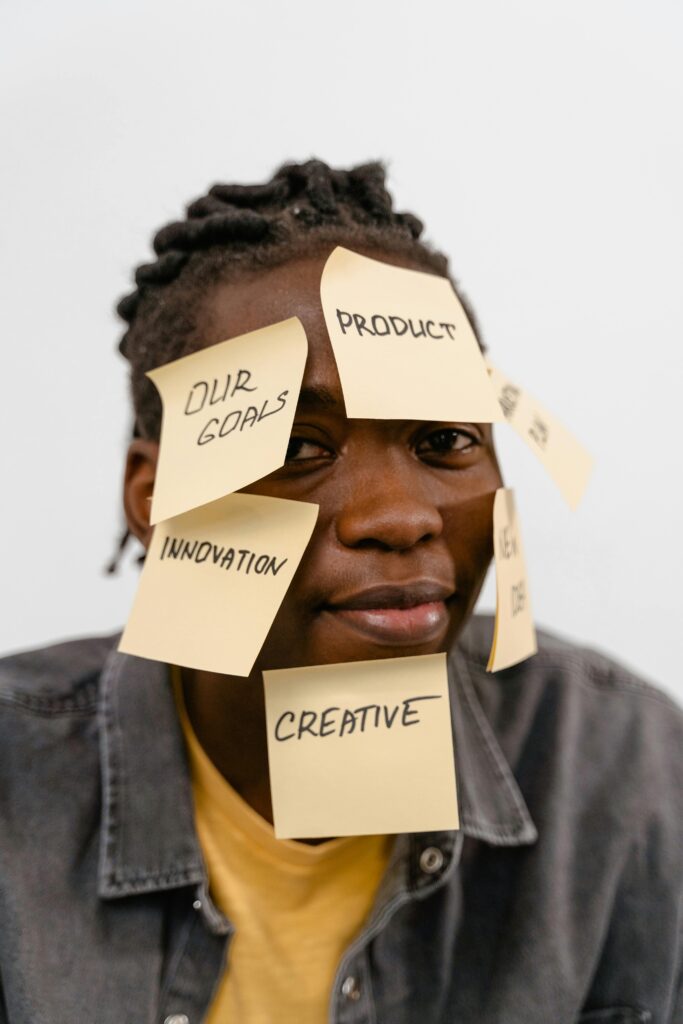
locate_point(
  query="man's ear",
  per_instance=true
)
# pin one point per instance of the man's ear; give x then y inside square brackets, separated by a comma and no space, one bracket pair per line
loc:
[138,484]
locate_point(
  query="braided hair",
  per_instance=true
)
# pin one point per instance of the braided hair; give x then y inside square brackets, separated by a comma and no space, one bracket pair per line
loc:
[234,229]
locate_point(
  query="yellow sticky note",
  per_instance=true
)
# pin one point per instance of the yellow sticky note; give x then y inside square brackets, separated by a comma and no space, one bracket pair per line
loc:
[403,344]
[227,415]
[364,748]
[213,580]
[564,458]
[514,635]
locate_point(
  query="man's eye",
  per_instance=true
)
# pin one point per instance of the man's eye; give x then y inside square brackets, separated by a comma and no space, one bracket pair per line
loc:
[446,441]
[300,449]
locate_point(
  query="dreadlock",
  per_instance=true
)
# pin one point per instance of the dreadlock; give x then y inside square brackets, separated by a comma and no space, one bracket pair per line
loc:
[241,228]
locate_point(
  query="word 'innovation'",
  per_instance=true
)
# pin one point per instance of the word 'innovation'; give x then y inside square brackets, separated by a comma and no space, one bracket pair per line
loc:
[239,559]
[337,721]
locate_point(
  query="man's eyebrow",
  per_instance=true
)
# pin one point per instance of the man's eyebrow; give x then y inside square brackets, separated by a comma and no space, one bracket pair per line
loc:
[318,398]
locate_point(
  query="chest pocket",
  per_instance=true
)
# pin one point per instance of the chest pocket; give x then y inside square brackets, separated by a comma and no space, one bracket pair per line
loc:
[615,1015]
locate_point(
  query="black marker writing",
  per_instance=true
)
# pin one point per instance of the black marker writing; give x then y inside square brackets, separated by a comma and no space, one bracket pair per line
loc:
[539,432]
[508,399]
[238,419]
[240,559]
[518,595]
[220,391]
[507,542]
[380,325]
[336,721]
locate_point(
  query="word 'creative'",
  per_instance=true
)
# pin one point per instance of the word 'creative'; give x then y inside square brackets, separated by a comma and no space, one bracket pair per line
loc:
[336,721]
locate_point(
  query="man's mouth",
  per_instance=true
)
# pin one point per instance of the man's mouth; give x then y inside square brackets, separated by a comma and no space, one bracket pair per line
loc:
[407,614]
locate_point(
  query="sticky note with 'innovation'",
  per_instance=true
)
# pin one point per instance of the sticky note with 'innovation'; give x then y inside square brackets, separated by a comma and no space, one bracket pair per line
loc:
[213,580]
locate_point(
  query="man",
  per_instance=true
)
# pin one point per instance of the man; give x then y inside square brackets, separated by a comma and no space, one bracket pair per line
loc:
[140,879]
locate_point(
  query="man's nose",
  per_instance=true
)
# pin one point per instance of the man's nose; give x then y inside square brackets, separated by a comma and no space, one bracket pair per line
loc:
[387,505]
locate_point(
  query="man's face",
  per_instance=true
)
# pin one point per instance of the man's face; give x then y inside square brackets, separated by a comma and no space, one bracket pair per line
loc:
[404,533]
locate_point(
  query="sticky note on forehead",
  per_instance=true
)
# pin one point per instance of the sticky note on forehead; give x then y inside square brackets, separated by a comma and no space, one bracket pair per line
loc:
[213,580]
[361,748]
[403,344]
[563,456]
[514,635]
[227,416]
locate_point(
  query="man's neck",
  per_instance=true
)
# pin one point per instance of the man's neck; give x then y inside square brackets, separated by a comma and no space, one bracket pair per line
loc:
[228,716]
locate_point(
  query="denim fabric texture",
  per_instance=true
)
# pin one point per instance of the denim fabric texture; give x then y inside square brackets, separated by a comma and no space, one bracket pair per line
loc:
[558,901]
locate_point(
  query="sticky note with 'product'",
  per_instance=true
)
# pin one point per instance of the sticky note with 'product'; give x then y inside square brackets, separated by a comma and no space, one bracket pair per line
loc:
[403,344]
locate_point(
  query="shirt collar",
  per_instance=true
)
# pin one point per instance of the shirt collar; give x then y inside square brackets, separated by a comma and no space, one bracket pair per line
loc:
[492,807]
[148,839]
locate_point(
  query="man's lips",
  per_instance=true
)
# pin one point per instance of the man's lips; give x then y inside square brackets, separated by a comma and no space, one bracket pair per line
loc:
[407,614]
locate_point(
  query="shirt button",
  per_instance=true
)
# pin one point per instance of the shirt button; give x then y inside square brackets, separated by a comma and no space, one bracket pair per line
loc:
[431,860]
[350,989]
[197,905]
[177,1018]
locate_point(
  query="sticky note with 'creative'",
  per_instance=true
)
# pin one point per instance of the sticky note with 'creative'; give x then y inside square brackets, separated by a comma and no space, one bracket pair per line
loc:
[361,748]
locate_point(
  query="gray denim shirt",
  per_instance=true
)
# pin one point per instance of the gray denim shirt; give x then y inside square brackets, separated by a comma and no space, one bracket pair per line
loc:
[558,901]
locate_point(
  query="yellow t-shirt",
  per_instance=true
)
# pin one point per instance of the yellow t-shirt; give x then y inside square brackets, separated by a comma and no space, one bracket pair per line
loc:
[295,907]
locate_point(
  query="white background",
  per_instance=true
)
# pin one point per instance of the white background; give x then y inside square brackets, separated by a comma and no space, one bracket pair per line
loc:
[541,143]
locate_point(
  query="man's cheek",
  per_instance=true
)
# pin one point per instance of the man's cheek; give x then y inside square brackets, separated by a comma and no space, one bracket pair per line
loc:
[470,518]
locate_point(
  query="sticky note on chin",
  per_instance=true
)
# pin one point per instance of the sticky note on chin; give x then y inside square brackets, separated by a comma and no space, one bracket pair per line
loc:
[514,635]
[403,344]
[227,416]
[213,580]
[364,748]
[563,456]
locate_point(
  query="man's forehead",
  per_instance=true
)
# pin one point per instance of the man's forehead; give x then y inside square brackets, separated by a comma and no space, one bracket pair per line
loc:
[320,398]
[234,308]
[266,295]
